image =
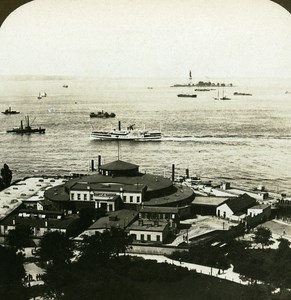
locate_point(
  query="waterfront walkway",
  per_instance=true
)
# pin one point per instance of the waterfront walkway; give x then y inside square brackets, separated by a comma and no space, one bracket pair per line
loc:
[225,274]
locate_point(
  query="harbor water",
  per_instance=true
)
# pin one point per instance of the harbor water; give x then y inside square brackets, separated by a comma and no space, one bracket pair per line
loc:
[246,140]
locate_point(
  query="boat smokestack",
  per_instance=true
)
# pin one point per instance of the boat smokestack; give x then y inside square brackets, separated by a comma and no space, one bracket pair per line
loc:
[173,172]
[187,173]
[99,162]
[119,125]
[92,165]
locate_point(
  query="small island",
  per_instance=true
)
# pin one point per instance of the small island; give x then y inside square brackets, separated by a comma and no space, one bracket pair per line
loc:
[102,114]
[203,84]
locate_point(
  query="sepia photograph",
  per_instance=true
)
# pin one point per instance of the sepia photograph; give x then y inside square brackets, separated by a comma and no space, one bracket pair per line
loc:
[145,149]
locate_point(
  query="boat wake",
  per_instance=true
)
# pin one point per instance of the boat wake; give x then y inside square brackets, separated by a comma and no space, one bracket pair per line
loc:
[188,138]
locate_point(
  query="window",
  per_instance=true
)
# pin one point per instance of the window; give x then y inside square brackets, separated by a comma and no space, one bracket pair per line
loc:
[142,237]
[85,197]
[138,199]
[148,237]
[124,198]
[79,196]
[158,238]
[131,198]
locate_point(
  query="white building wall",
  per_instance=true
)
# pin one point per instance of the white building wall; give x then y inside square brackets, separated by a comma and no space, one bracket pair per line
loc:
[153,235]
[131,198]
[254,212]
[224,211]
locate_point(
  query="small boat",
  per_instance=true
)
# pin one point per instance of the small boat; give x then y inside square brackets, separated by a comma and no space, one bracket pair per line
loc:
[39,97]
[27,129]
[130,134]
[241,94]
[44,94]
[10,112]
[65,86]
[102,115]
[221,98]
[187,95]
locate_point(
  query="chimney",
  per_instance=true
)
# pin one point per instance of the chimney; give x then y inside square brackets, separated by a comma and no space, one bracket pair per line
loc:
[99,162]
[173,172]
[187,173]
[92,165]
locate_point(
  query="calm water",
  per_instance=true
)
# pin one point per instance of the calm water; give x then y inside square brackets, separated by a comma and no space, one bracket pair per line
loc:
[246,140]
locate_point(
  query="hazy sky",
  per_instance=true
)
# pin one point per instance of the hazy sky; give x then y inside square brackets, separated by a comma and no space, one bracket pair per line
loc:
[147,38]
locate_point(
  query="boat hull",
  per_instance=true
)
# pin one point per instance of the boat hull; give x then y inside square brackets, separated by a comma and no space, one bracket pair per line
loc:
[23,131]
[114,137]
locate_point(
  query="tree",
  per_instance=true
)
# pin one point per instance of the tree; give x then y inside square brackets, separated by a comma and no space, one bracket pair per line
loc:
[86,215]
[263,236]
[57,247]
[11,274]
[20,237]
[102,246]
[6,174]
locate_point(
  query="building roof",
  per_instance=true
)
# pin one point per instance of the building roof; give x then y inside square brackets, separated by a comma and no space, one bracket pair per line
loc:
[40,212]
[260,206]
[114,187]
[209,201]
[157,209]
[40,223]
[149,226]
[118,165]
[121,218]
[240,203]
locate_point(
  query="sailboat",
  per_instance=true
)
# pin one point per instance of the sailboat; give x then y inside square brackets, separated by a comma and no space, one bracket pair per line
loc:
[39,96]
[221,98]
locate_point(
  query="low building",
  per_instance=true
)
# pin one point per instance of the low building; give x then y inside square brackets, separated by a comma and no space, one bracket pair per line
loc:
[203,205]
[39,226]
[120,219]
[165,213]
[264,209]
[146,231]
[235,208]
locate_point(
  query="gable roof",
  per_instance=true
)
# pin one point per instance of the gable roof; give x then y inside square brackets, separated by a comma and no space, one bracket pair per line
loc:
[240,203]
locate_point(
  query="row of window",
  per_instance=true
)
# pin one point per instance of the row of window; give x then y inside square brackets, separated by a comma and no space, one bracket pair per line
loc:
[85,197]
[131,198]
[148,237]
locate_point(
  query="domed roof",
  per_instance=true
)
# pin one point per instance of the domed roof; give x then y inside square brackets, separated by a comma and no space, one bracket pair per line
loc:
[119,165]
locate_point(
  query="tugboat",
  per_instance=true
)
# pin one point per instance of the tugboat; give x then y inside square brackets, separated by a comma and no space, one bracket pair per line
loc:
[10,112]
[102,114]
[27,129]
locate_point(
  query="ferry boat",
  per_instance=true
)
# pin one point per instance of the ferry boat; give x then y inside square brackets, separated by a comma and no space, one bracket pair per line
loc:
[130,134]
[27,129]
[10,112]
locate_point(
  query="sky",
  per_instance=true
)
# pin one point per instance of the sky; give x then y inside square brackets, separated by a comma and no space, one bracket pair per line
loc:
[147,38]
